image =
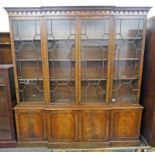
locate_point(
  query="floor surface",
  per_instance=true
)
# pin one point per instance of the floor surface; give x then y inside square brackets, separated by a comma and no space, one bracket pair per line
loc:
[143,147]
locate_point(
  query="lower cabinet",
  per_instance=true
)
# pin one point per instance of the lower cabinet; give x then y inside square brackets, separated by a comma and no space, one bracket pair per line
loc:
[31,125]
[63,126]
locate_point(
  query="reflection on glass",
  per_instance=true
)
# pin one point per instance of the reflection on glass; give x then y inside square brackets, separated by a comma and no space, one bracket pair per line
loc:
[61,54]
[28,60]
[94,54]
[30,90]
[127,56]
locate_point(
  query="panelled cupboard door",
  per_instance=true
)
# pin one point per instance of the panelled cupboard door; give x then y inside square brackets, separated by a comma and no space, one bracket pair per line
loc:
[125,123]
[95,125]
[30,125]
[62,126]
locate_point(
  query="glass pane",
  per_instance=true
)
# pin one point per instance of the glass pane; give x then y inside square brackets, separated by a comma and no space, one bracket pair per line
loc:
[94,54]
[28,60]
[129,35]
[4,118]
[61,54]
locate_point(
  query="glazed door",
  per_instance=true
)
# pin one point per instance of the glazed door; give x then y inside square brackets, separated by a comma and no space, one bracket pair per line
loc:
[28,59]
[128,56]
[62,60]
[4,115]
[94,50]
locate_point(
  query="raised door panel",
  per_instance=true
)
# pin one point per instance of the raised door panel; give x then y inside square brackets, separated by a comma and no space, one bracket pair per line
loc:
[30,125]
[95,125]
[62,126]
[125,123]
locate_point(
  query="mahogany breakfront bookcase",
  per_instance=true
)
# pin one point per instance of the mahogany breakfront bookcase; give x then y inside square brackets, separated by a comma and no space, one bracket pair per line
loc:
[78,74]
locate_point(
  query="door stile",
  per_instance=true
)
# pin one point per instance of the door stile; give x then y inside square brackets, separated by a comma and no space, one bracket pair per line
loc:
[111,56]
[78,60]
[14,61]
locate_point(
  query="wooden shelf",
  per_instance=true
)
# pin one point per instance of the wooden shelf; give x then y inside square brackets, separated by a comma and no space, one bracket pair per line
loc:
[94,60]
[37,50]
[2,85]
[27,40]
[126,78]
[94,38]
[83,79]
[33,100]
[121,59]
[27,60]
[61,60]
[66,39]
[62,79]
[40,91]
[135,89]
[127,59]
[61,39]
[117,38]
[82,60]
[5,48]
[129,38]
[30,79]
[5,44]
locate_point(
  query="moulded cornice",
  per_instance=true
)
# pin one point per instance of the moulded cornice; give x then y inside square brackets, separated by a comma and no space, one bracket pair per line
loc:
[76,10]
